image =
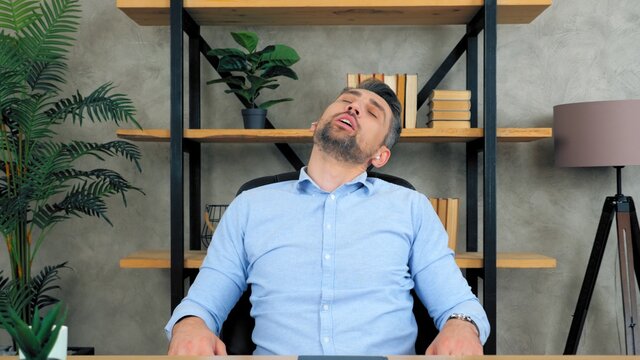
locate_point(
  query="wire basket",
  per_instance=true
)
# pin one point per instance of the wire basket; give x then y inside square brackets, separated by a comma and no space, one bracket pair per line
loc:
[212,216]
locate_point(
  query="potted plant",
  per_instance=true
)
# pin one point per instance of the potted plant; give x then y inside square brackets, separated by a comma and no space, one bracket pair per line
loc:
[41,183]
[248,73]
[40,339]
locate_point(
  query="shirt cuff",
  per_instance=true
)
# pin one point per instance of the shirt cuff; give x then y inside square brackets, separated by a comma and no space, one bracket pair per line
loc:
[186,308]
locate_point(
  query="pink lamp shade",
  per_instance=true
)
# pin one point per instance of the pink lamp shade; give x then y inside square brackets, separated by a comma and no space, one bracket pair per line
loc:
[599,133]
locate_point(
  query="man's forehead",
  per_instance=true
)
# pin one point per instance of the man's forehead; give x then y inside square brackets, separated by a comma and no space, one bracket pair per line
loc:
[376,99]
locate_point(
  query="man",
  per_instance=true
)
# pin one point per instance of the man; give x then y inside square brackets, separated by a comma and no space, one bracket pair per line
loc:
[332,257]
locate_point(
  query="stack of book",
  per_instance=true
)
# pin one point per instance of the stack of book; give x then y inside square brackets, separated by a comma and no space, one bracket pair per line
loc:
[449,109]
[406,88]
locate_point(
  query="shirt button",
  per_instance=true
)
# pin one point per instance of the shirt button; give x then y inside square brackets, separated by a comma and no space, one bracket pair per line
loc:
[328,226]
[326,339]
[325,307]
[333,197]
[327,256]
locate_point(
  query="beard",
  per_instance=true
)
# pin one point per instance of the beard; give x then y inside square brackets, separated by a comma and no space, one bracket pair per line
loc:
[345,149]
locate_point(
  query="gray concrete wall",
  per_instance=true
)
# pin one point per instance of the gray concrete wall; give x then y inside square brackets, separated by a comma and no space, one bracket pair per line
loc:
[575,51]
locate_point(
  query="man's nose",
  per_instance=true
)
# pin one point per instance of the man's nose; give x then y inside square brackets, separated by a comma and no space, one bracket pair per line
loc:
[353,107]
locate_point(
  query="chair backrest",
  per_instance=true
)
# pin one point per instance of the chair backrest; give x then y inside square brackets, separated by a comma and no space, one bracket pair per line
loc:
[238,328]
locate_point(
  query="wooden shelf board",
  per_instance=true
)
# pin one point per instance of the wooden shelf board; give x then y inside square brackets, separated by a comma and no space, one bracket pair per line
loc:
[331,12]
[159,259]
[305,136]
[507,260]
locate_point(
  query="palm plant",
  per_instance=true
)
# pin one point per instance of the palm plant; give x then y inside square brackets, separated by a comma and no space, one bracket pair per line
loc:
[40,185]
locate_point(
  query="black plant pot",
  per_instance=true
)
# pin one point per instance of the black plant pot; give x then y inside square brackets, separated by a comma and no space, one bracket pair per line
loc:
[254,118]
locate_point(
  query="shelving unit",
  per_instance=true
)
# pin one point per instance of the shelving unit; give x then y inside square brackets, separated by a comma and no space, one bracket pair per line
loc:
[477,15]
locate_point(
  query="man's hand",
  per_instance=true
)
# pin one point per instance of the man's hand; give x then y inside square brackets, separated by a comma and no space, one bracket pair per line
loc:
[191,336]
[458,337]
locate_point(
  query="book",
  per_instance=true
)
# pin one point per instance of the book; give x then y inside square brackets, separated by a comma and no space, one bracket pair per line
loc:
[401,83]
[379,76]
[411,101]
[449,95]
[391,81]
[444,124]
[352,80]
[449,115]
[452,222]
[441,210]
[364,77]
[450,105]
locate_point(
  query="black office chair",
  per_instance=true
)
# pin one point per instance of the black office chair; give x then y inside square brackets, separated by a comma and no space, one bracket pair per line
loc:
[237,329]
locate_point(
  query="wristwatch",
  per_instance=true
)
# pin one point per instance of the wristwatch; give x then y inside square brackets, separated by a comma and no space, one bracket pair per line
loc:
[464,317]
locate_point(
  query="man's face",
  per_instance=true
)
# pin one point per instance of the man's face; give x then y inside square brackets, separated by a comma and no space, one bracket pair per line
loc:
[354,126]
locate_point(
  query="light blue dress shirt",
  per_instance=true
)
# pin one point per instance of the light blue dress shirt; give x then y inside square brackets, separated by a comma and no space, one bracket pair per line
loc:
[331,273]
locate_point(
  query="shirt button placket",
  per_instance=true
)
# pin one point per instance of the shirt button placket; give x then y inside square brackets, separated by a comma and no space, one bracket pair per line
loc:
[328,274]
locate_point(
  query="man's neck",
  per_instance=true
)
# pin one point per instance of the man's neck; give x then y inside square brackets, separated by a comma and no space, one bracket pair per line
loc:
[329,173]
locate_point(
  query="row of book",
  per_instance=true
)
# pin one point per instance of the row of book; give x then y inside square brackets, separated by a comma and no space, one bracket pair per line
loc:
[449,109]
[404,85]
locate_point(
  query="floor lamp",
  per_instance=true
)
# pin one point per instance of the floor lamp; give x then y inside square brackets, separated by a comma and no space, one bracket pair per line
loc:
[604,133]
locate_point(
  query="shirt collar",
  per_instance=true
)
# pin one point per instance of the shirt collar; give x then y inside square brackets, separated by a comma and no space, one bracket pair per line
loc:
[305,184]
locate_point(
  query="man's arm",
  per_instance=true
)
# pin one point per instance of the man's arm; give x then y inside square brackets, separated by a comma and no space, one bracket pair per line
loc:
[191,336]
[442,288]
[196,321]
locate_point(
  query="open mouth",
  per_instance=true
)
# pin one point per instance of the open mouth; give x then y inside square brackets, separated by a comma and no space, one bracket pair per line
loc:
[347,122]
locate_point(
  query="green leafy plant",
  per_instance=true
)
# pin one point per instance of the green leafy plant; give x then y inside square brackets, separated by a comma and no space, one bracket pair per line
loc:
[35,340]
[248,73]
[40,183]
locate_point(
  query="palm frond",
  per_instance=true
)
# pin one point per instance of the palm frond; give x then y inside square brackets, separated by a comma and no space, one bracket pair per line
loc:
[81,202]
[44,162]
[88,199]
[48,37]
[14,209]
[115,180]
[29,119]
[11,67]
[46,75]
[98,106]
[11,61]
[14,295]
[129,151]
[48,215]
[17,14]
[42,284]
[3,281]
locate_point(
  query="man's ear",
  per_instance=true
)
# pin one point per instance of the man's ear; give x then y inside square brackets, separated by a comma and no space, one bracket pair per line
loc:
[314,126]
[381,157]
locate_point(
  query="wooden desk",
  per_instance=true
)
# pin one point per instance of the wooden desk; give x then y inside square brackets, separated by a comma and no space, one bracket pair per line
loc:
[491,357]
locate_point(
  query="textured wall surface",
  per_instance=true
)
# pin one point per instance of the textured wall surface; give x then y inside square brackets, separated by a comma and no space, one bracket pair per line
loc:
[575,51]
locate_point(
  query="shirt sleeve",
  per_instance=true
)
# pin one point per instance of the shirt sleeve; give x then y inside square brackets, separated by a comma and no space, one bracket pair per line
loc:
[438,280]
[223,275]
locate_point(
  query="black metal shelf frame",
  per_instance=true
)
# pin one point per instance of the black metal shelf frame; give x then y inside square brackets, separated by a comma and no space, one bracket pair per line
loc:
[485,21]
